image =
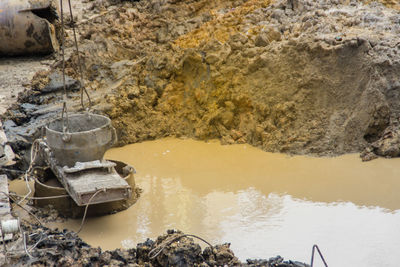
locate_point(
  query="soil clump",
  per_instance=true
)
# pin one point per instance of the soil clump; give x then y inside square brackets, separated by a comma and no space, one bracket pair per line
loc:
[53,247]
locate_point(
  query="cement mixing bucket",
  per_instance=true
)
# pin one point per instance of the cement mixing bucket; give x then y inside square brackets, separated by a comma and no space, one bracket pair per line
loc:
[88,138]
[27,27]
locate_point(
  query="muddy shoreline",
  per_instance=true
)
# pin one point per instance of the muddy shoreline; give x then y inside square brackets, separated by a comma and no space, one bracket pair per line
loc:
[54,247]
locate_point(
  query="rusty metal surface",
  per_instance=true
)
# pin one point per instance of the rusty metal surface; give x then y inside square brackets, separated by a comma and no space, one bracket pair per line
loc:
[26,27]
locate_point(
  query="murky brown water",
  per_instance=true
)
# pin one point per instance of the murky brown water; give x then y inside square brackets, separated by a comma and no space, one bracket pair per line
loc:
[264,204]
[19,187]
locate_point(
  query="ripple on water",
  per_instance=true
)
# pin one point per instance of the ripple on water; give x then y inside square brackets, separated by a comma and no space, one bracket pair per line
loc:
[264,204]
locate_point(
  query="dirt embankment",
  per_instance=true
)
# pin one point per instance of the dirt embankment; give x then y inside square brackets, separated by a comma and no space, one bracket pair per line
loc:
[292,76]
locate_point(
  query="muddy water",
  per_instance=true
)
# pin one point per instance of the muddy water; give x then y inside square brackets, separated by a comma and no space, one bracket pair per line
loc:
[264,204]
[20,187]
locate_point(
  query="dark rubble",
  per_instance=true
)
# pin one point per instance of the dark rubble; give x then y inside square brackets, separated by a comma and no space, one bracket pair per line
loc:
[56,247]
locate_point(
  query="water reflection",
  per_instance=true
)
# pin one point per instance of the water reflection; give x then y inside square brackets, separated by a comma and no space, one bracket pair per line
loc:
[264,204]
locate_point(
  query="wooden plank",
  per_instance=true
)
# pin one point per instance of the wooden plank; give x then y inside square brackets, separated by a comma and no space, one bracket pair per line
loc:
[84,186]
[7,155]
[5,210]
[4,201]
[79,166]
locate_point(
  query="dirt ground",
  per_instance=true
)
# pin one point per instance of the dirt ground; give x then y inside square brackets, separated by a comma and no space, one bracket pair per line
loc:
[301,77]
[16,73]
[294,76]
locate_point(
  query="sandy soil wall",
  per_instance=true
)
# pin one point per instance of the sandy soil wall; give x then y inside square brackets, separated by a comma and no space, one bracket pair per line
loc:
[291,76]
[294,76]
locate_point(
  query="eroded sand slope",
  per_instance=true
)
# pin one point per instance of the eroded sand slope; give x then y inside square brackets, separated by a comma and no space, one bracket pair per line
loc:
[295,76]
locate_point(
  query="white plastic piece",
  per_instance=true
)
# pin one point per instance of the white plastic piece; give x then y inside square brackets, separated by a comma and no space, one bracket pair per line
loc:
[10,226]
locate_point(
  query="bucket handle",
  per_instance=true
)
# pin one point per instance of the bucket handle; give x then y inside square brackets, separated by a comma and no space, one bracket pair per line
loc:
[114,137]
[65,122]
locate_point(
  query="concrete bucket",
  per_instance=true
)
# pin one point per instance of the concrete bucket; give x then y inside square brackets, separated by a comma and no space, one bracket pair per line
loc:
[87,139]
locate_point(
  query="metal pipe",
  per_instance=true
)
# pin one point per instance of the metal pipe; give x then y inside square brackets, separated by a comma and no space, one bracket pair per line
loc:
[315,247]
[27,27]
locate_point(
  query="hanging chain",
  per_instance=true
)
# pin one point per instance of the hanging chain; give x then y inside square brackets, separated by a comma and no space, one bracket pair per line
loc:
[64,115]
[65,120]
[82,85]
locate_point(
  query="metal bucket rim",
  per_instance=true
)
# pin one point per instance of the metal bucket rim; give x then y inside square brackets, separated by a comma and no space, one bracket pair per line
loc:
[57,188]
[108,124]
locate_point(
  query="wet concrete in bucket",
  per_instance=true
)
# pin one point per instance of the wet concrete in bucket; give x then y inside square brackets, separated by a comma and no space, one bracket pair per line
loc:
[265,204]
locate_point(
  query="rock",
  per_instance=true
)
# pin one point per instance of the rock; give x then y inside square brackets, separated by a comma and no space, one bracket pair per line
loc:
[56,83]
[162,35]
[368,154]
[220,255]
[267,36]
[212,58]
[276,261]
[182,253]
[143,249]
[262,40]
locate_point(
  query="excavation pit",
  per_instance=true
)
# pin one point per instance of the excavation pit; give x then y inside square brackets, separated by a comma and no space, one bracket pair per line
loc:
[299,77]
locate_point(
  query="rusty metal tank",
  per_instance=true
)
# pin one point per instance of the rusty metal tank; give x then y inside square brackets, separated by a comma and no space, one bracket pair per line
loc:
[88,138]
[27,27]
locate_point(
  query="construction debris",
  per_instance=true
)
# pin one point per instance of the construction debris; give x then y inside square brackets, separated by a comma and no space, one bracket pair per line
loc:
[7,155]
[5,211]
[55,247]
